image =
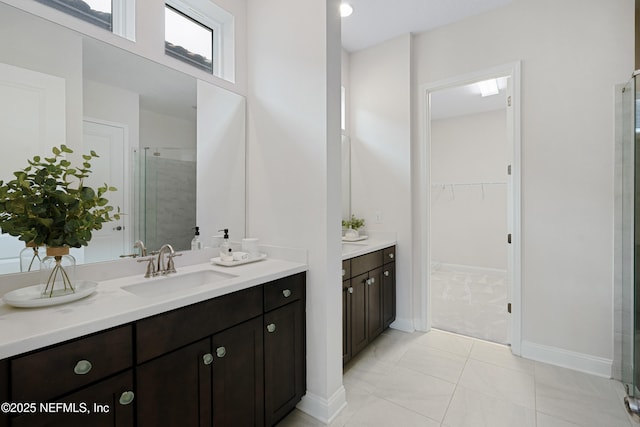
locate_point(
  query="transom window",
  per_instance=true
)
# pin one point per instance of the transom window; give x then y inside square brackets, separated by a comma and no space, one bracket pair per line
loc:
[97,12]
[188,40]
[116,16]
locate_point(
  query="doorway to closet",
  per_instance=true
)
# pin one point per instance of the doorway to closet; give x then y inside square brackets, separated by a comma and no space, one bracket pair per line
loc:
[470,206]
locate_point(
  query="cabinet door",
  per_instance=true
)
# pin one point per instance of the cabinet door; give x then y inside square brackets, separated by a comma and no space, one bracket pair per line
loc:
[175,389]
[389,294]
[284,360]
[4,390]
[108,403]
[359,335]
[346,321]
[375,324]
[238,376]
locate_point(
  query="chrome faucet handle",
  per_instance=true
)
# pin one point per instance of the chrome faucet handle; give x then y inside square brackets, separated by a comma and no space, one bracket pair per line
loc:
[171,267]
[151,268]
[129,256]
[139,244]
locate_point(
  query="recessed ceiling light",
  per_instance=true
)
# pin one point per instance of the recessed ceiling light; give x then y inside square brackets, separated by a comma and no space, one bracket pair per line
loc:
[345,9]
[488,87]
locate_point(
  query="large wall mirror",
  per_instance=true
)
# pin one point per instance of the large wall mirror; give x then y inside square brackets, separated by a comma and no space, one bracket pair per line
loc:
[173,145]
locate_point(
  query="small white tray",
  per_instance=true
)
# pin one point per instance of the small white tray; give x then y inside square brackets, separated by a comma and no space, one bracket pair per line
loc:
[218,261]
[32,296]
[354,239]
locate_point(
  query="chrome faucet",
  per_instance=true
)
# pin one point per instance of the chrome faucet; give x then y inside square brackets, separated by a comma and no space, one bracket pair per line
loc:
[169,267]
[139,244]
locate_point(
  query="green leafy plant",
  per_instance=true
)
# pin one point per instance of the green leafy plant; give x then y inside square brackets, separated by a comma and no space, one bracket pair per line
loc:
[47,204]
[353,222]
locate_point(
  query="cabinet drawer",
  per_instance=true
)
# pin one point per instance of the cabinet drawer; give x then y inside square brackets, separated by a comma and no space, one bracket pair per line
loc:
[110,395]
[346,269]
[389,254]
[49,373]
[283,291]
[4,390]
[168,331]
[364,263]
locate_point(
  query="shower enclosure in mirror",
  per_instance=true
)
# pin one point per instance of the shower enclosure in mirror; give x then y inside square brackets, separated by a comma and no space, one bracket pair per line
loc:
[165,183]
[627,237]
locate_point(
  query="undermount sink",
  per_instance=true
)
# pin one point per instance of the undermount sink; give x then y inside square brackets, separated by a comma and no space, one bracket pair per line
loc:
[352,247]
[169,284]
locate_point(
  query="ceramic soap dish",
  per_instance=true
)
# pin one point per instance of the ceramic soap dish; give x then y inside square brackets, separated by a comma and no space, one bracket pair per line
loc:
[218,261]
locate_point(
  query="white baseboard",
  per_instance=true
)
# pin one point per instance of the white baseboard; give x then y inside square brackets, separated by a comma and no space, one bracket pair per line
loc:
[567,359]
[404,325]
[324,410]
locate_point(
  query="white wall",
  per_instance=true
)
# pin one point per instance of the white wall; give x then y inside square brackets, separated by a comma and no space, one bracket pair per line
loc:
[60,55]
[469,222]
[293,164]
[161,130]
[381,147]
[114,105]
[573,53]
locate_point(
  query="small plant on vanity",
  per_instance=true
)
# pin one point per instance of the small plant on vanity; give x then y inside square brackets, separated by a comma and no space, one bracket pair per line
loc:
[352,226]
[47,204]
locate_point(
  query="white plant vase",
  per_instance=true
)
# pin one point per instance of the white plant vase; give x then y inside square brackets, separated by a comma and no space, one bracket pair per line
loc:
[58,272]
[351,233]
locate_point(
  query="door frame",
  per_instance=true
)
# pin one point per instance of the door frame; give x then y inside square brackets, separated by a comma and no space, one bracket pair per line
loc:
[512,70]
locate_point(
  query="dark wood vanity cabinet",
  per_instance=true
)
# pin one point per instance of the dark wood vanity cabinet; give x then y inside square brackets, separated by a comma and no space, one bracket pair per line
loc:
[175,389]
[389,286]
[368,304]
[347,292]
[235,360]
[87,381]
[238,375]
[109,403]
[4,390]
[215,381]
[285,380]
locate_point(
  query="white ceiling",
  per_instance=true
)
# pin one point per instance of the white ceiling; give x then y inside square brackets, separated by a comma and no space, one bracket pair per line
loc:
[375,21]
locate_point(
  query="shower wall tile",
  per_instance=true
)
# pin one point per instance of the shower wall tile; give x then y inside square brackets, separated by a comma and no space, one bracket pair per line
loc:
[172,194]
[623,233]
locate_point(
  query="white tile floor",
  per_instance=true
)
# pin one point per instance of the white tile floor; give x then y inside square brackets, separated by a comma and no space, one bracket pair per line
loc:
[441,379]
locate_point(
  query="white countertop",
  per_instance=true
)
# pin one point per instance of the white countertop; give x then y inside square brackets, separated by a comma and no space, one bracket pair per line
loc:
[375,242]
[26,329]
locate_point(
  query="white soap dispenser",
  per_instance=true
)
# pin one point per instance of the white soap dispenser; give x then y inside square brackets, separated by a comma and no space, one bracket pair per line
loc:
[226,253]
[196,243]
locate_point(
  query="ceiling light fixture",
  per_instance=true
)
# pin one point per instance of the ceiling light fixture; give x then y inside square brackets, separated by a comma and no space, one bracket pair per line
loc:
[345,10]
[488,87]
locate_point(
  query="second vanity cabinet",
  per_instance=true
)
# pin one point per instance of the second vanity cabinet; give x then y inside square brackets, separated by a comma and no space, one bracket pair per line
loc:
[368,303]
[235,360]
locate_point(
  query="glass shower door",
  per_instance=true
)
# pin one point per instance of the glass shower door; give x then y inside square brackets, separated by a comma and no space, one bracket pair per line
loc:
[628,235]
[166,196]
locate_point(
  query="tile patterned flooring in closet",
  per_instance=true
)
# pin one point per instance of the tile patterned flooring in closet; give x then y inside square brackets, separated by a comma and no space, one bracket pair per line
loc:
[440,379]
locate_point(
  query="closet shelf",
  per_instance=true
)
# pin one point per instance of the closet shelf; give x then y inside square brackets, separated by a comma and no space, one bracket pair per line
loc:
[447,184]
